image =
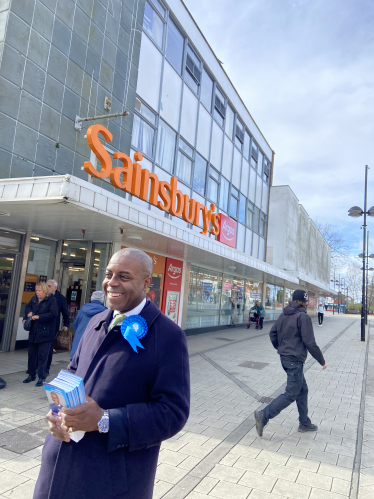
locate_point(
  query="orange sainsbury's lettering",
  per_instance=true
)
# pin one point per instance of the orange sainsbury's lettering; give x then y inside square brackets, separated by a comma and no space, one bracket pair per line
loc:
[99,150]
[141,183]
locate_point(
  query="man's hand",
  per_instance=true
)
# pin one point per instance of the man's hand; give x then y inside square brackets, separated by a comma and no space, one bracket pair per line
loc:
[324,366]
[64,329]
[84,417]
[58,431]
[35,317]
[29,314]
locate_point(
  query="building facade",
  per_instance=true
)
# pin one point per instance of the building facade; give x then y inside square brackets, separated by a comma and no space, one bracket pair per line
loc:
[62,214]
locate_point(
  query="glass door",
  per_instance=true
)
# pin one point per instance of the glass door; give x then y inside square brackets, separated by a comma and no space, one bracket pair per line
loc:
[6,270]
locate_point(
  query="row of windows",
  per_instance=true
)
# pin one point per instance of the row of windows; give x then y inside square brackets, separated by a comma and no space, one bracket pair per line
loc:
[201,84]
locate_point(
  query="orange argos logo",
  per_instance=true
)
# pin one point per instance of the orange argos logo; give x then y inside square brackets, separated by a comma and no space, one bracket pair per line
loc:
[143,184]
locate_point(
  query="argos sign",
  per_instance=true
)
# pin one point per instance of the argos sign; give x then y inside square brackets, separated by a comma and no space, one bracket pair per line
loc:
[227,231]
[143,184]
[174,272]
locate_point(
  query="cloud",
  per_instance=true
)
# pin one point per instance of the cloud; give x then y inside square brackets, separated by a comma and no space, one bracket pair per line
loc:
[305,70]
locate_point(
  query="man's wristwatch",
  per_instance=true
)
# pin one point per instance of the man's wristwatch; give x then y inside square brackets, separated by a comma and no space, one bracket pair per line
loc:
[103,424]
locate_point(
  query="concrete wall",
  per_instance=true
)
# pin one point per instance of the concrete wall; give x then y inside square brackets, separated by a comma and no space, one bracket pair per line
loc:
[61,58]
[294,242]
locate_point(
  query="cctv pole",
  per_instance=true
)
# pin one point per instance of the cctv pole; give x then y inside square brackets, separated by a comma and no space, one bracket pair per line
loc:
[367,278]
[363,259]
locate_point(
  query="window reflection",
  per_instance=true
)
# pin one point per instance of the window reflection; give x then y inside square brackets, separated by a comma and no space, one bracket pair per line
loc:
[224,194]
[152,24]
[199,175]
[165,147]
[174,46]
[142,136]
[206,91]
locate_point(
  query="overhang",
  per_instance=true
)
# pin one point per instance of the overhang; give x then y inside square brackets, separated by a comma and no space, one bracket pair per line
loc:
[66,207]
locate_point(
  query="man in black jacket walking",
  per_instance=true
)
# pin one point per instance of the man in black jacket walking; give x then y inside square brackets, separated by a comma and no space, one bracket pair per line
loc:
[292,335]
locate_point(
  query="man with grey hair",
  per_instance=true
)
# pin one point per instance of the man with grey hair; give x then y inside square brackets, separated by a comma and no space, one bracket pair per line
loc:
[134,362]
[63,309]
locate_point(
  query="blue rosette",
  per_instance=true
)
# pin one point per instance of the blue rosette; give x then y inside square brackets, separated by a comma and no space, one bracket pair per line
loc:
[133,329]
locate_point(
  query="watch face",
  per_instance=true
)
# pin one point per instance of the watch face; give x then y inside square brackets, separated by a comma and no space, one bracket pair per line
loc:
[104,425]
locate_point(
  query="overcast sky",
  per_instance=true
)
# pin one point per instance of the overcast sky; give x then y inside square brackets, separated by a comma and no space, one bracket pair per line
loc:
[305,70]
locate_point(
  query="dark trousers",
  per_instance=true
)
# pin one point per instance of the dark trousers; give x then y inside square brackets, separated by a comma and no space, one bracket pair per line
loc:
[296,390]
[50,355]
[38,357]
[320,317]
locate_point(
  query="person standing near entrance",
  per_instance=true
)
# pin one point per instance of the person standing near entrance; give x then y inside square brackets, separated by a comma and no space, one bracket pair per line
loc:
[62,306]
[135,366]
[321,311]
[42,308]
[292,335]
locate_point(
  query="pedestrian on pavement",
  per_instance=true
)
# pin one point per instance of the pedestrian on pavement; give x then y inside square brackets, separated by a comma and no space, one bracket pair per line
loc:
[138,394]
[292,335]
[42,308]
[2,383]
[62,306]
[84,316]
[259,311]
[321,311]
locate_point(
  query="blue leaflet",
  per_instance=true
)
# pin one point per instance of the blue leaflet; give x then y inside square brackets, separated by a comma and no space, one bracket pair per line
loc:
[133,329]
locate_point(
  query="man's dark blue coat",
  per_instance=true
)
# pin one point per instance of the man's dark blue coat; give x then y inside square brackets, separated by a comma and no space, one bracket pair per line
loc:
[148,397]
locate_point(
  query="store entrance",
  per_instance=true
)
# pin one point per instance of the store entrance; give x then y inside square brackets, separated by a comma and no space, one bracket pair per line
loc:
[74,276]
[6,272]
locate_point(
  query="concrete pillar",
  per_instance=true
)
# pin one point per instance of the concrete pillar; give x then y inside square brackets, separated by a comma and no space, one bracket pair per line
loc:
[185,293]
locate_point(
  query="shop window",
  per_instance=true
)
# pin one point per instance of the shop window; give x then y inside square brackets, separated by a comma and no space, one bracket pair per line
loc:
[192,75]
[174,46]
[189,115]
[199,175]
[219,107]
[212,193]
[171,96]
[203,132]
[232,302]
[165,147]
[224,194]
[216,147]
[6,271]
[234,201]
[9,240]
[204,298]
[153,24]
[242,203]
[150,66]
[206,91]
[274,300]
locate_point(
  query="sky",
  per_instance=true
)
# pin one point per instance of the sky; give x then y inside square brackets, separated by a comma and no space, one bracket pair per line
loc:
[305,70]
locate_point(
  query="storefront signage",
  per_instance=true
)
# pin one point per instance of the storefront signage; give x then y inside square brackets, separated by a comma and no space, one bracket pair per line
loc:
[172,288]
[227,231]
[143,184]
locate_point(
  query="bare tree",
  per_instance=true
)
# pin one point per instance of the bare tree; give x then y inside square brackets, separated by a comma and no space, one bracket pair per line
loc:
[354,278]
[337,243]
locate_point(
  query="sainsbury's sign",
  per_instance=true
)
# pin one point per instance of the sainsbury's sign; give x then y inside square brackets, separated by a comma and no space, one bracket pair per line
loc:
[143,184]
[227,231]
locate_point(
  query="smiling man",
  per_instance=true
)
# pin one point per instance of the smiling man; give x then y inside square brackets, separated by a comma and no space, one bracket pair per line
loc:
[134,362]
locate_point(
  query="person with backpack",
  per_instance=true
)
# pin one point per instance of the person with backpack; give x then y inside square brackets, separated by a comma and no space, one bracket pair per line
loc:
[293,337]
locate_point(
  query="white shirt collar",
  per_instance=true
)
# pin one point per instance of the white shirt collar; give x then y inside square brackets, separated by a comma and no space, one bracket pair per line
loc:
[134,311]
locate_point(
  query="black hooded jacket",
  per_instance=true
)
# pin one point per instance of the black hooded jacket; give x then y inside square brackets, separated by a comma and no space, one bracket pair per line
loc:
[292,335]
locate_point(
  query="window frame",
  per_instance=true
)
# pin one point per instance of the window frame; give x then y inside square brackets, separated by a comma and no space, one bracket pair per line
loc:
[237,197]
[163,20]
[154,126]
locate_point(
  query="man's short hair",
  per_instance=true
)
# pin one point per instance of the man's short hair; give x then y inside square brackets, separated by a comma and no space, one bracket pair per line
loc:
[54,282]
[139,255]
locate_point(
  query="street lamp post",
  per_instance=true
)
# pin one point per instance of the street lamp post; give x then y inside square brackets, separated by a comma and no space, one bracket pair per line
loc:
[333,303]
[356,211]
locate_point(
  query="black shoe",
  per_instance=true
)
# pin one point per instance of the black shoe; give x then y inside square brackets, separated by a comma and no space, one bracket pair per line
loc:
[260,422]
[2,383]
[40,382]
[304,429]
[247,327]
[29,379]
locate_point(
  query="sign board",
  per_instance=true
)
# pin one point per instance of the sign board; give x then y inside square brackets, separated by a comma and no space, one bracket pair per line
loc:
[172,288]
[227,231]
[29,287]
[312,301]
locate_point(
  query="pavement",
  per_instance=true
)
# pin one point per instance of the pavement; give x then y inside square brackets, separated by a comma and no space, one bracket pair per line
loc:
[218,454]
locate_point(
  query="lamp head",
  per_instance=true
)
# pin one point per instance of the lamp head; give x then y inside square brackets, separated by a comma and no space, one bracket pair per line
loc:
[371,212]
[355,211]
[361,255]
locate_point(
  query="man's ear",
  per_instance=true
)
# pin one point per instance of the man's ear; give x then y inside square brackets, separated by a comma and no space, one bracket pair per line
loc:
[147,282]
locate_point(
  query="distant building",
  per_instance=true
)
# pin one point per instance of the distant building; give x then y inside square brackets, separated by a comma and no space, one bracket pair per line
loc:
[295,245]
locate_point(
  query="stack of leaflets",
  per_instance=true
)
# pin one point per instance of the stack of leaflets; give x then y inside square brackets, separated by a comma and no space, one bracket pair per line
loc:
[67,390]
